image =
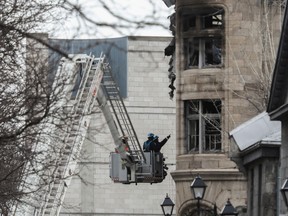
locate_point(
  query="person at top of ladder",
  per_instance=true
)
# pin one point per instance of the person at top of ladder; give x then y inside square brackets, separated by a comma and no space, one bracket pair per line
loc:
[153,143]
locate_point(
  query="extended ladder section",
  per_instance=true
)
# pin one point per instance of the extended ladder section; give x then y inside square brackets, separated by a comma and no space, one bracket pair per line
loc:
[91,82]
[86,74]
[121,115]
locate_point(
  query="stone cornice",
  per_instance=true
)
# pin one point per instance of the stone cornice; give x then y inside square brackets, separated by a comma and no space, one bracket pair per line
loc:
[208,175]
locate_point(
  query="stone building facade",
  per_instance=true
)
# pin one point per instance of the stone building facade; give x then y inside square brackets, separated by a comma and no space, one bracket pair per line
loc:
[224,53]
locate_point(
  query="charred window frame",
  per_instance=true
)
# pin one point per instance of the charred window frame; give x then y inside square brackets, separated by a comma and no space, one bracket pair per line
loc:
[203,126]
[203,36]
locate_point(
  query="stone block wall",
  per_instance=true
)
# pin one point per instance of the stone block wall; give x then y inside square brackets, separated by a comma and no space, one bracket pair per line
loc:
[150,110]
[242,84]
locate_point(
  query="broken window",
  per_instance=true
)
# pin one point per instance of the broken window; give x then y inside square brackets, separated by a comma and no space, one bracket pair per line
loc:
[203,52]
[203,38]
[203,126]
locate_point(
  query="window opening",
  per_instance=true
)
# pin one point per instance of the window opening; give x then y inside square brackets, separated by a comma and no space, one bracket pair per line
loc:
[203,52]
[189,23]
[202,38]
[213,20]
[203,121]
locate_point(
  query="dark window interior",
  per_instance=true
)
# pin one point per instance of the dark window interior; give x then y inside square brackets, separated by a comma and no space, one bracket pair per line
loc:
[203,119]
[202,38]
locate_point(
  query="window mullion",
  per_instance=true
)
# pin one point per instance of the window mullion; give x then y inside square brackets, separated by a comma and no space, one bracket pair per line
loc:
[200,127]
[201,52]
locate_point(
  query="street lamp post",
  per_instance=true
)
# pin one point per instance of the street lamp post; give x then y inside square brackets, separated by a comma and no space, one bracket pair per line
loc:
[198,188]
[167,206]
[228,209]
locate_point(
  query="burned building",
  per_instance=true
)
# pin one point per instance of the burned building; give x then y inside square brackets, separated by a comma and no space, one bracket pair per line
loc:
[223,57]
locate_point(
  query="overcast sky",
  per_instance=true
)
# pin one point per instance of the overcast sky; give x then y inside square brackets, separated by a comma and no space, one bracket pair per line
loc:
[130,9]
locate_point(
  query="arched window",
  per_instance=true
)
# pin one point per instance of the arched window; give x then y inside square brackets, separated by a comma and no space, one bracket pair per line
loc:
[203,211]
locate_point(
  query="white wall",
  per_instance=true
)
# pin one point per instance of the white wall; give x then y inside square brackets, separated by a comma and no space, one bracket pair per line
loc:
[150,110]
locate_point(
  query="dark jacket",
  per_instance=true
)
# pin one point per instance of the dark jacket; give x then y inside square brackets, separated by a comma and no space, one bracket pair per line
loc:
[154,144]
[158,145]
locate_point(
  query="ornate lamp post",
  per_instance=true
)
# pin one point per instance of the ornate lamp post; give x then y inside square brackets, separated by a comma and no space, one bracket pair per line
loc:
[284,191]
[228,209]
[198,188]
[167,206]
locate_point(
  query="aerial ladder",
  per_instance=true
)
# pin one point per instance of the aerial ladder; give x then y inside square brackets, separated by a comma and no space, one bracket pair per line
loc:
[92,83]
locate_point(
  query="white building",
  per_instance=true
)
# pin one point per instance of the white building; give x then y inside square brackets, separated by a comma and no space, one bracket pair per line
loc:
[141,69]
